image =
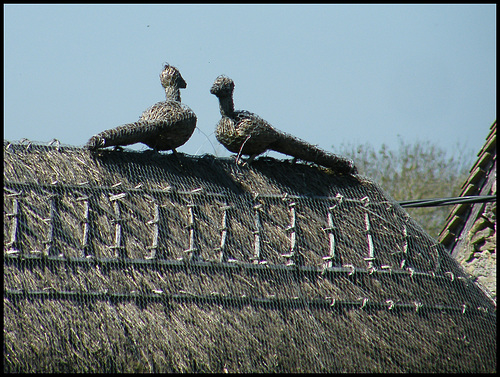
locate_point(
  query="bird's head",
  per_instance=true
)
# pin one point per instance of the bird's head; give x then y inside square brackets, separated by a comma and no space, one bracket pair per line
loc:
[170,76]
[223,86]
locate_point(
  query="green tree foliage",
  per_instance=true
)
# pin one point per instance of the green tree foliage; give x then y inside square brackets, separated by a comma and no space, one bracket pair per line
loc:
[418,170]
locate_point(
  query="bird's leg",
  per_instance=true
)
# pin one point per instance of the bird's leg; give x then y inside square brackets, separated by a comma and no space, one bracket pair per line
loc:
[177,156]
[250,159]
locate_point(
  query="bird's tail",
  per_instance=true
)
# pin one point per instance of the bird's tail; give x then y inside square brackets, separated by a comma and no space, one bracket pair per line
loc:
[302,150]
[122,135]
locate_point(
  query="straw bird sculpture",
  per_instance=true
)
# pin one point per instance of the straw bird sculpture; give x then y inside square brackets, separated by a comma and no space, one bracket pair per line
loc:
[245,133]
[164,126]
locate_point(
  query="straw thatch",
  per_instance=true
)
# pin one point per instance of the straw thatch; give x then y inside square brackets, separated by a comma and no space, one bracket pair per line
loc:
[137,261]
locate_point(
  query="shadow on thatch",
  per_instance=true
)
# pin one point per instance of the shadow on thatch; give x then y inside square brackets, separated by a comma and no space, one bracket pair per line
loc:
[134,261]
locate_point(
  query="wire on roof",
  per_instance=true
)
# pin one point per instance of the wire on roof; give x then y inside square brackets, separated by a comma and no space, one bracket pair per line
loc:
[447,201]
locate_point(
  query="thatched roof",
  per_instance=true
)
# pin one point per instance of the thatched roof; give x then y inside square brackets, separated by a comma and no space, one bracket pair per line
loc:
[469,232]
[135,261]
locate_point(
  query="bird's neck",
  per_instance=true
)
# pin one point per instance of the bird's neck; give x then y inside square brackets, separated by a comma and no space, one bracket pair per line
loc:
[226,106]
[173,93]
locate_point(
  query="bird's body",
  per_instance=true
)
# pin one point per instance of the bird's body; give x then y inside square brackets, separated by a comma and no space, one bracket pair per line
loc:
[164,126]
[243,132]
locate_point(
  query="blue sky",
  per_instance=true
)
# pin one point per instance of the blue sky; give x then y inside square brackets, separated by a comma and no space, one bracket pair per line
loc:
[329,74]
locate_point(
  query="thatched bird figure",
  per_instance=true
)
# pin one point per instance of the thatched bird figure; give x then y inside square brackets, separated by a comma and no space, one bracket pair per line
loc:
[245,133]
[164,126]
